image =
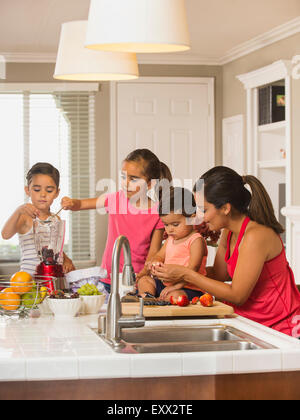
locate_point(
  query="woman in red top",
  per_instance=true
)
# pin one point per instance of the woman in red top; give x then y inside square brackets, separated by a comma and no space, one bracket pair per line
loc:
[250,270]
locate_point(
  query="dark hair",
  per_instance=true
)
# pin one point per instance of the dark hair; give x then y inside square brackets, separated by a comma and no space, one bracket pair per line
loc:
[42,168]
[149,160]
[223,185]
[165,172]
[153,168]
[177,200]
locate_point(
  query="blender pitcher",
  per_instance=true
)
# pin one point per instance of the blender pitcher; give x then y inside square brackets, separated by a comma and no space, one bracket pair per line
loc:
[49,236]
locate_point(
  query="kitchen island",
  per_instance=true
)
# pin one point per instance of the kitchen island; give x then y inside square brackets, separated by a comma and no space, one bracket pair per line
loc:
[45,358]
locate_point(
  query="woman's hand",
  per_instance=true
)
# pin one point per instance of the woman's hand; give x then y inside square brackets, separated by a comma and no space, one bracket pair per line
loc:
[68,203]
[169,272]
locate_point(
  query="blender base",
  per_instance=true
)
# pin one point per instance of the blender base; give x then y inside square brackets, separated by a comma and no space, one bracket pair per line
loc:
[54,270]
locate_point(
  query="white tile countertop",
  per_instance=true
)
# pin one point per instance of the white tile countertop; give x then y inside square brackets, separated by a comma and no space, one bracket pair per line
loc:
[48,349]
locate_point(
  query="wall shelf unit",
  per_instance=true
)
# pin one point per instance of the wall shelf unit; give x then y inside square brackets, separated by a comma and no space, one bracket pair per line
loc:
[271,164]
[269,145]
[274,127]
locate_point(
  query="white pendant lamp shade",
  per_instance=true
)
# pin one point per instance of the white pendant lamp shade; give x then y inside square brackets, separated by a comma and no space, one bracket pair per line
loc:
[141,26]
[75,62]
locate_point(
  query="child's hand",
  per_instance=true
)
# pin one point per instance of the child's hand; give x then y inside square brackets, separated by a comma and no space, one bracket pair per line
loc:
[68,265]
[166,291]
[29,210]
[154,265]
[68,203]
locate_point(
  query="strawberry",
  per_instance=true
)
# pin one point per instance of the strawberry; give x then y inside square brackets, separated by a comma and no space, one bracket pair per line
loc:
[207,300]
[195,300]
[173,300]
[183,300]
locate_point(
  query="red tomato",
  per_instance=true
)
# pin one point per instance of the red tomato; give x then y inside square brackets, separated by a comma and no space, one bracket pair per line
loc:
[207,300]
[183,300]
[173,301]
[195,300]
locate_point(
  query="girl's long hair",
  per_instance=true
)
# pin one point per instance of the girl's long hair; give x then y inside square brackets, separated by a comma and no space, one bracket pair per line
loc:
[152,167]
[223,185]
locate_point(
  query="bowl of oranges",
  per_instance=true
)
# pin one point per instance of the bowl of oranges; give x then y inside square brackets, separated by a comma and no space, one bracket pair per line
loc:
[21,294]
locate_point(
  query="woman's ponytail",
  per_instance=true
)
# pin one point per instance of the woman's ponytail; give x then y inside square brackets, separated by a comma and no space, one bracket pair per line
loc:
[260,207]
[223,185]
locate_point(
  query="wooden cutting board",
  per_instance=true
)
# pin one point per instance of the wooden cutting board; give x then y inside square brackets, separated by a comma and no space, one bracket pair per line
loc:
[218,309]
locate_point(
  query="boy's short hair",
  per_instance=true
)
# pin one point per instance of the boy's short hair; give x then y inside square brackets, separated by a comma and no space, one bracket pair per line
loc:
[177,200]
[43,168]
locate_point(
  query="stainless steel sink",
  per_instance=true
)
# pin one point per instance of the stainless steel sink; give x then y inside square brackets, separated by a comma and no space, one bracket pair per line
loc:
[187,339]
[179,334]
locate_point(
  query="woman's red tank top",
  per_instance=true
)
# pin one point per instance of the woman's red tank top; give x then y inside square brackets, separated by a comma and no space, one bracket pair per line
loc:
[275,299]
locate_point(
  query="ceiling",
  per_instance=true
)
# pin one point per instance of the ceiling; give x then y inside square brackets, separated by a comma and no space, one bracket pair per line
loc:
[219,29]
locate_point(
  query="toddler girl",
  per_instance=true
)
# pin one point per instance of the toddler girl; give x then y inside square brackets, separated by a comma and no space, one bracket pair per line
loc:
[42,188]
[184,246]
[131,211]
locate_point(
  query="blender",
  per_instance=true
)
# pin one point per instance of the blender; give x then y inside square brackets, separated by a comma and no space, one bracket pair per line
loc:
[49,236]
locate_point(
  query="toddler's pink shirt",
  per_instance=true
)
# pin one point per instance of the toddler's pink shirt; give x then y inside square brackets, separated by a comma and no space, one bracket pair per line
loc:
[137,225]
[179,254]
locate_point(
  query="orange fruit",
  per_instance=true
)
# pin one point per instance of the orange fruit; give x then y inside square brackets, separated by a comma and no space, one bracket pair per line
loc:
[9,300]
[21,282]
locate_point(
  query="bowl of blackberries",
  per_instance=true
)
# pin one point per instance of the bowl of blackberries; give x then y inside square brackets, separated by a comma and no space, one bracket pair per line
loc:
[64,305]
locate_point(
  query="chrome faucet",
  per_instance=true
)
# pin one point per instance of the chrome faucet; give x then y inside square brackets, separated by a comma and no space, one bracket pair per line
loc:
[113,323]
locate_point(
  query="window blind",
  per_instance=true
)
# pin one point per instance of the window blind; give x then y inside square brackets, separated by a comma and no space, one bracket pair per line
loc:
[54,127]
[78,109]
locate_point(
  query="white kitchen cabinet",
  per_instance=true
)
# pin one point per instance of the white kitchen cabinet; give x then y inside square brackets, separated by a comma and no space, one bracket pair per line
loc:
[269,146]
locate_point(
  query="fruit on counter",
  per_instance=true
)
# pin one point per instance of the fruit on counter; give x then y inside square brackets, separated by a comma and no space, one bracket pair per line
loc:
[173,300]
[9,300]
[43,292]
[21,282]
[31,298]
[183,300]
[60,294]
[88,290]
[206,300]
[57,294]
[195,300]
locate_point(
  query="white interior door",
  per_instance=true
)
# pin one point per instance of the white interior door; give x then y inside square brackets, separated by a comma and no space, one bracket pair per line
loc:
[172,117]
[233,143]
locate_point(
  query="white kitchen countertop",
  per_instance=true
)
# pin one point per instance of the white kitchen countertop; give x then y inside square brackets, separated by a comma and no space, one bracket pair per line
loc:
[50,349]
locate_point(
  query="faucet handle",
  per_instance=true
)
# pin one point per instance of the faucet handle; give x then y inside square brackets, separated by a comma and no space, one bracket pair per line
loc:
[141,314]
[102,324]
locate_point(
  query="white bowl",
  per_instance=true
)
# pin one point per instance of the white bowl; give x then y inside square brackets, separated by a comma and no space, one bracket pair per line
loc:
[92,304]
[44,308]
[64,308]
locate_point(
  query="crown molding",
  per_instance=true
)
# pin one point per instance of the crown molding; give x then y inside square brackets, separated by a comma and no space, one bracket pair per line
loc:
[276,71]
[276,34]
[11,57]
[178,59]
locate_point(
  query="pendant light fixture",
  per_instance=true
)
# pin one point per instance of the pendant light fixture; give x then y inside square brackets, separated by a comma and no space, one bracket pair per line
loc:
[141,26]
[75,62]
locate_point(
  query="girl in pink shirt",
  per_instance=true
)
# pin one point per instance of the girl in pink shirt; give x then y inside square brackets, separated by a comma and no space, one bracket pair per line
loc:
[184,246]
[131,212]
